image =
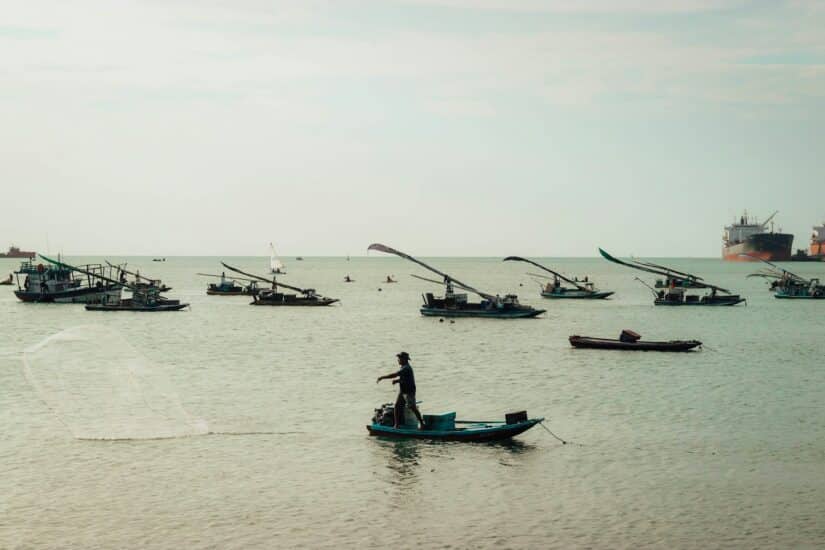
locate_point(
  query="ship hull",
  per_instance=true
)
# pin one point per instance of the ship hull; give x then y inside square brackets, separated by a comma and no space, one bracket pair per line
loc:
[774,247]
[817,250]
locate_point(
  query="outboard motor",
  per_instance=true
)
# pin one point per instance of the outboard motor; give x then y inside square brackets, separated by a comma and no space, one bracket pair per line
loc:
[384,415]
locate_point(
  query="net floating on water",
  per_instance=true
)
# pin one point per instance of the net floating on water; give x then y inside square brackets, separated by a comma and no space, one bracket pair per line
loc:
[101,387]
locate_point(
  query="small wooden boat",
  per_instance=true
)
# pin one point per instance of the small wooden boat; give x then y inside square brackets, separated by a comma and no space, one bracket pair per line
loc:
[454,304]
[444,427]
[129,304]
[639,345]
[564,293]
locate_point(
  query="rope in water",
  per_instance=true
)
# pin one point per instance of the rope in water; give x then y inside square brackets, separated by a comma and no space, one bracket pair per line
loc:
[563,442]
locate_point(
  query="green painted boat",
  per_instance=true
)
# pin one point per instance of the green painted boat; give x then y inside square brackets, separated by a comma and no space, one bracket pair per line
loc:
[445,427]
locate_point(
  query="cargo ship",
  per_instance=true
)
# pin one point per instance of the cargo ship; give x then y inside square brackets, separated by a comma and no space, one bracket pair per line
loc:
[818,242]
[15,252]
[746,240]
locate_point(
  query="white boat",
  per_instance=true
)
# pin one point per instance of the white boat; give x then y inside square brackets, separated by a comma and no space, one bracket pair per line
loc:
[276,266]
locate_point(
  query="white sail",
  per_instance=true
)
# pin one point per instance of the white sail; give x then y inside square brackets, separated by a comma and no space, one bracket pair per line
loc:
[275,264]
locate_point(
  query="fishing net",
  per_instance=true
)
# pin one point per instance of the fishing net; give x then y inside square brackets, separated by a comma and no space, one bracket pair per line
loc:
[101,387]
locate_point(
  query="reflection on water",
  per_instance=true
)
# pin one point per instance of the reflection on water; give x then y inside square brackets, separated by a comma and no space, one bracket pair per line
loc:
[404,459]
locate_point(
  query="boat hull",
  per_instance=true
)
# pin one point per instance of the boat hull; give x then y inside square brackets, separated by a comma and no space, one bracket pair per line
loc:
[84,295]
[477,433]
[521,313]
[606,343]
[706,303]
[774,247]
[229,293]
[295,303]
[160,307]
[577,295]
[783,296]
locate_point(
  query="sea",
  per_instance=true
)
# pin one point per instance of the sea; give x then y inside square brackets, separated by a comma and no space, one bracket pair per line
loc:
[719,448]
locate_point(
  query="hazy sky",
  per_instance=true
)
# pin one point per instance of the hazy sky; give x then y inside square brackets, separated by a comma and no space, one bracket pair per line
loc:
[440,127]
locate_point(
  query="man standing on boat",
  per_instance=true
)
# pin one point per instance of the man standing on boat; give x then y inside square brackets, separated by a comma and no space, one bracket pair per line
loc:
[406,394]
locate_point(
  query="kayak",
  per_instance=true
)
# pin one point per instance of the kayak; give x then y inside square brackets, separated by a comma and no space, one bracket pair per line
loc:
[640,345]
[444,427]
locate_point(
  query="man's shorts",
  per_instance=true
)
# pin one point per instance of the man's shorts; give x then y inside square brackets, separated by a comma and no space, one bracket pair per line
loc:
[409,399]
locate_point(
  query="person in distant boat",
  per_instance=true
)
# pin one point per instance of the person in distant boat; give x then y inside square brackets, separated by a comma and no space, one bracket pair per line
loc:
[405,379]
[347,279]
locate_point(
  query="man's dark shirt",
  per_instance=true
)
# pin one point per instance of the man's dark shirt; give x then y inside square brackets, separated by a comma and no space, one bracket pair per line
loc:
[407,379]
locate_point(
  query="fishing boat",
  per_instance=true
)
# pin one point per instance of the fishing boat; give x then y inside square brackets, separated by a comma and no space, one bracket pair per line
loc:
[140,281]
[348,279]
[390,280]
[230,286]
[53,283]
[632,345]
[9,281]
[790,286]
[276,266]
[454,304]
[272,297]
[581,289]
[445,427]
[144,298]
[679,295]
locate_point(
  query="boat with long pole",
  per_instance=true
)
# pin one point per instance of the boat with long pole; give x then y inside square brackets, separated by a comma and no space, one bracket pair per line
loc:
[272,297]
[791,286]
[454,304]
[679,295]
[139,280]
[144,298]
[585,290]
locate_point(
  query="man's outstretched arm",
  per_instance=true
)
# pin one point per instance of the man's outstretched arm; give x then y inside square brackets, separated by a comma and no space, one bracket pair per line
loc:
[387,376]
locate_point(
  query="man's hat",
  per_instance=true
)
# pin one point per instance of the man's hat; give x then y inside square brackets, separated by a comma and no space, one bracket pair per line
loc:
[403,355]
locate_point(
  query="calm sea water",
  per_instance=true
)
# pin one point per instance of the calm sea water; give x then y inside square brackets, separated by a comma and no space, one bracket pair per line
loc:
[720,448]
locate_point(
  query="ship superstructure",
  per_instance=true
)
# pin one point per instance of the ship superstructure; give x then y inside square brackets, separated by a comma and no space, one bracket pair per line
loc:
[746,239]
[818,242]
[15,252]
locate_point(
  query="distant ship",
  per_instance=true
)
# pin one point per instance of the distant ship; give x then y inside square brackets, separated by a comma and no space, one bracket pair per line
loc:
[818,242]
[15,252]
[750,238]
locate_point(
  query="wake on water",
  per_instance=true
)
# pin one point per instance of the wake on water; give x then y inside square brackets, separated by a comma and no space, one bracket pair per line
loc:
[101,387]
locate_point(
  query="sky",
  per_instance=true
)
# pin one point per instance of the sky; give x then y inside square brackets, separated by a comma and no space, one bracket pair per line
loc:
[439,127]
